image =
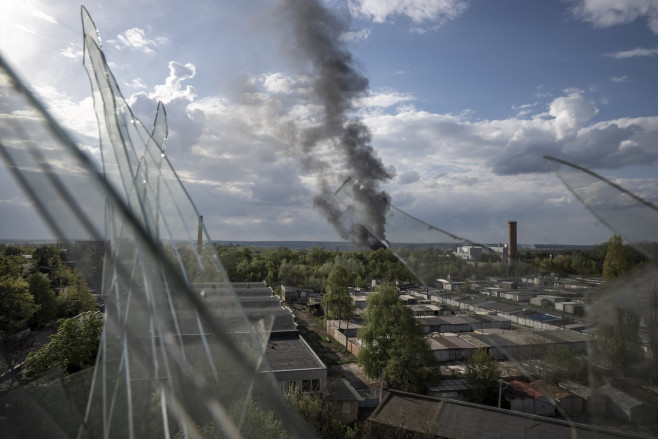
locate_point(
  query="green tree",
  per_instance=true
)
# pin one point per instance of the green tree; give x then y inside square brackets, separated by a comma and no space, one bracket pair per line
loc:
[393,343]
[44,298]
[619,341]
[72,348]
[12,250]
[314,408]
[75,298]
[10,266]
[617,259]
[47,257]
[257,422]
[318,256]
[16,305]
[617,333]
[90,256]
[482,374]
[336,300]
[555,363]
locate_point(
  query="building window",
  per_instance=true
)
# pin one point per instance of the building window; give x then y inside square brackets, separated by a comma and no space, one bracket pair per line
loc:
[347,407]
[289,386]
[310,386]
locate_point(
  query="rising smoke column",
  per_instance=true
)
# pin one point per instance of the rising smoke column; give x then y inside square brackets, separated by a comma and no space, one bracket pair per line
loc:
[316,34]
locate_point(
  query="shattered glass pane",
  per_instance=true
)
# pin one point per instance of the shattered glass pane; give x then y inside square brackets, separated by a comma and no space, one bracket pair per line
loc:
[416,243]
[624,212]
[177,354]
[617,315]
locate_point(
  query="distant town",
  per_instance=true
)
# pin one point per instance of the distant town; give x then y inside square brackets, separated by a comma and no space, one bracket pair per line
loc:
[511,336]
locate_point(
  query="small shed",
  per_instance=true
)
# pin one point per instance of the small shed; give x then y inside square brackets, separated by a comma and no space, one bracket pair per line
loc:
[344,400]
[565,400]
[621,405]
[524,398]
[293,294]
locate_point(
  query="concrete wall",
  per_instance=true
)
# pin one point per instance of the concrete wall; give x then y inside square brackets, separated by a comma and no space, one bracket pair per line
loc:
[339,336]
[573,404]
[535,406]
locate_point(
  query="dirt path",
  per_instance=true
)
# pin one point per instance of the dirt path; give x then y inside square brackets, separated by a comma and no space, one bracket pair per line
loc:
[340,362]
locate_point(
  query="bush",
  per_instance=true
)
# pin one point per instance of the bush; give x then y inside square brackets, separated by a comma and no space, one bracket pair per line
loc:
[73,347]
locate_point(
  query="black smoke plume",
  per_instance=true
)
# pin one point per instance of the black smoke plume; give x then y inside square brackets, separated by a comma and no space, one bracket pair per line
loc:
[316,34]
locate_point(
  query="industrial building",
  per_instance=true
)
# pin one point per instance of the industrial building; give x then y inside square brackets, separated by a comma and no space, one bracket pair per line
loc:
[288,356]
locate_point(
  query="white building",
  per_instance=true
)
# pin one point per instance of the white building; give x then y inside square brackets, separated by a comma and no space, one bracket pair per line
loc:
[471,252]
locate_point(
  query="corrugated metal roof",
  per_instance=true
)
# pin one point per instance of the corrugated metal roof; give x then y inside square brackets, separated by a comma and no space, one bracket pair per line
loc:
[525,388]
[452,342]
[550,390]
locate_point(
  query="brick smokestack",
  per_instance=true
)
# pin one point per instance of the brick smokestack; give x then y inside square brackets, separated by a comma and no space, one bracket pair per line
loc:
[512,253]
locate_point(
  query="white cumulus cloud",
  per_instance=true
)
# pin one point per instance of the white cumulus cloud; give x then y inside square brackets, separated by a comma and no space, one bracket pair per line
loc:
[278,83]
[607,13]
[173,88]
[619,79]
[72,51]
[419,11]
[135,38]
[384,99]
[571,112]
[356,36]
[77,116]
[633,53]
[426,142]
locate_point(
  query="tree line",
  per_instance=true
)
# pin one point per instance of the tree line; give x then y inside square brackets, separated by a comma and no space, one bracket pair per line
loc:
[309,268]
[37,286]
[40,287]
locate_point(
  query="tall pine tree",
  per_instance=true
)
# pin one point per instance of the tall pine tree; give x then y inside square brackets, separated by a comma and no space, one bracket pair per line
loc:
[617,332]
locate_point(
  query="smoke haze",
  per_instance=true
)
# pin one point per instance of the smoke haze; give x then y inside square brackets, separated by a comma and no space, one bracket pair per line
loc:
[315,36]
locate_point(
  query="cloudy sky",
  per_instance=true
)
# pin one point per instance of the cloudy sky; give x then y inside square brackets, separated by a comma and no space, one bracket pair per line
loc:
[463,100]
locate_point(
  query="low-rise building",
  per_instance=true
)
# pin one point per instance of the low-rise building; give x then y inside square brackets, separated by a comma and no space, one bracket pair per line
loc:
[505,344]
[287,355]
[565,401]
[344,401]
[402,414]
[428,310]
[615,402]
[517,295]
[575,308]
[468,252]
[451,347]
[408,299]
[295,294]
[522,397]
[465,323]
[547,300]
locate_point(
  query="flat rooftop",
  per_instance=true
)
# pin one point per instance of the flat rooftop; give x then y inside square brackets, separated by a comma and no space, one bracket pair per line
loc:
[291,353]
